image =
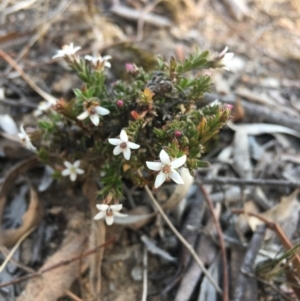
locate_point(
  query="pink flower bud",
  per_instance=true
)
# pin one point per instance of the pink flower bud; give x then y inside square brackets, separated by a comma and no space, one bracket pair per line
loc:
[177,134]
[132,69]
[129,67]
[229,106]
[120,103]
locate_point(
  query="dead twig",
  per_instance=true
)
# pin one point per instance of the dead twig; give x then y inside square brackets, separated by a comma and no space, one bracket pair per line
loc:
[17,103]
[141,19]
[254,110]
[286,243]
[14,249]
[244,287]
[73,296]
[182,239]
[132,14]
[61,263]
[268,283]
[145,274]
[42,30]
[222,243]
[26,78]
[250,182]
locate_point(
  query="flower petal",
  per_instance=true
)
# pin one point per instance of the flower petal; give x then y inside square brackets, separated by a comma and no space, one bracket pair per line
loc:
[107,64]
[154,165]
[22,130]
[116,207]
[29,145]
[132,145]
[102,207]
[79,171]
[164,157]
[73,176]
[123,136]
[178,162]
[228,56]
[83,115]
[117,150]
[160,178]
[95,119]
[76,164]
[22,136]
[89,57]
[65,172]
[109,220]
[76,49]
[114,141]
[175,176]
[68,164]
[99,215]
[106,57]
[102,111]
[127,153]
[120,214]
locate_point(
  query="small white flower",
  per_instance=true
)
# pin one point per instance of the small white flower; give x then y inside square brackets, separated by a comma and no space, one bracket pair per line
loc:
[67,50]
[224,58]
[99,60]
[166,168]
[215,102]
[123,145]
[44,106]
[109,212]
[25,139]
[72,170]
[93,113]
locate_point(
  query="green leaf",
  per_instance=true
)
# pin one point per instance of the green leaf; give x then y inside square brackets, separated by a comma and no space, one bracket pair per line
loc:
[203,164]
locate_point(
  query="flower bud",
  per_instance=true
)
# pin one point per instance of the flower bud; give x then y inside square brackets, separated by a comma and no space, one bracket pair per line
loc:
[178,134]
[120,103]
[132,69]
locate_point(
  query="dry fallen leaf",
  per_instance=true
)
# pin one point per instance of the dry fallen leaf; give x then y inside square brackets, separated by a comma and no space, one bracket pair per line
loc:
[242,224]
[31,219]
[237,8]
[262,128]
[286,214]
[34,213]
[241,155]
[53,284]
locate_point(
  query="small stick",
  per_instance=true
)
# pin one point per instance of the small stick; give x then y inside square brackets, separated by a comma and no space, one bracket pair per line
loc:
[250,182]
[26,78]
[245,285]
[222,243]
[72,296]
[181,238]
[57,265]
[14,249]
[286,243]
[145,274]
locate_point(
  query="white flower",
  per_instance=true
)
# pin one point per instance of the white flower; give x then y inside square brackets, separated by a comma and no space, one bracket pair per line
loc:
[166,168]
[99,60]
[93,112]
[44,106]
[109,211]
[25,139]
[215,102]
[224,58]
[67,50]
[123,145]
[72,170]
